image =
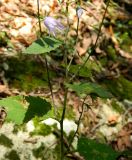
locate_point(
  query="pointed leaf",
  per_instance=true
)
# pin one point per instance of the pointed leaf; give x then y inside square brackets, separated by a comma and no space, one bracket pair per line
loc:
[43,45]
[15,109]
[37,107]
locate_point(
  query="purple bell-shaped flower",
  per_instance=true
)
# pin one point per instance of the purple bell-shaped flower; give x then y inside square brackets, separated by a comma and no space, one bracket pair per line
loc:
[53,25]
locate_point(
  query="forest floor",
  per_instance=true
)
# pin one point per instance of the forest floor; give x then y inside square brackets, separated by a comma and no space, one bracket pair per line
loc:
[109,120]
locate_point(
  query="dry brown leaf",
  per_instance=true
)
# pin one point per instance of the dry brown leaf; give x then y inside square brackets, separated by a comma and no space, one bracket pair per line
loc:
[123,139]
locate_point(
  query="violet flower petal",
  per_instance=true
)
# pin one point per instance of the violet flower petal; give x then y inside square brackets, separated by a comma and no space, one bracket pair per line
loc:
[53,25]
[79,11]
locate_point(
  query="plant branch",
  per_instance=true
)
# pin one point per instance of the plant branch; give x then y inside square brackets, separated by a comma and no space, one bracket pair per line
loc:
[95,45]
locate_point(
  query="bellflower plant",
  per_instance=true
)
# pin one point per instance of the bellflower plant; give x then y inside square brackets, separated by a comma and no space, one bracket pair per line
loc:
[79,12]
[53,25]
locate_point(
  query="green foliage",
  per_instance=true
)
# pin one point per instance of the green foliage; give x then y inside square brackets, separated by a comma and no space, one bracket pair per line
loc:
[17,112]
[4,40]
[41,128]
[37,107]
[89,88]
[15,108]
[111,52]
[84,72]
[120,87]
[92,150]
[28,75]
[43,45]
[118,108]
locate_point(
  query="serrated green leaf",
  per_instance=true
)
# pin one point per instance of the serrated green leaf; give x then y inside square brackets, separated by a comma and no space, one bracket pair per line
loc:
[37,107]
[15,109]
[92,150]
[89,88]
[43,45]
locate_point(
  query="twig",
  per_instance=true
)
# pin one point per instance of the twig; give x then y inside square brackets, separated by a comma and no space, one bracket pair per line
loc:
[95,45]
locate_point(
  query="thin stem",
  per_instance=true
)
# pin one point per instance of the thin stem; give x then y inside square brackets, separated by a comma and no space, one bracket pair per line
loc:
[45,64]
[66,92]
[100,27]
[48,75]
[50,85]
[68,68]
[39,17]
[80,67]
[95,45]
[61,124]
[78,123]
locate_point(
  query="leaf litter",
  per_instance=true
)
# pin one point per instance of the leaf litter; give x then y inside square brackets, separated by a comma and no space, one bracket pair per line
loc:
[18,20]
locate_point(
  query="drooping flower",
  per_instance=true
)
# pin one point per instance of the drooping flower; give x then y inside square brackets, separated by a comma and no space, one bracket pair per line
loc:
[79,12]
[53,25]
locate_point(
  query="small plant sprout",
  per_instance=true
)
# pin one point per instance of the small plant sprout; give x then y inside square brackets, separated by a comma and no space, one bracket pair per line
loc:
[53,25]
[79,12]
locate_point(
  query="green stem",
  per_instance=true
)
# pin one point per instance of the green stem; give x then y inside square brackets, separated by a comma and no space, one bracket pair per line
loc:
[39,17]
[50,86]
[95,45]
[48,75]
[61,124]
[68,68]
[78,123]
[66,92]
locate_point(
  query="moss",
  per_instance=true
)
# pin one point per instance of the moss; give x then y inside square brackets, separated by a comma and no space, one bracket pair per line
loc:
[126,42]
[13,155]
[41,128]
[118,108]
[111,52]
[120,87]
[27,74]
[5,141]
